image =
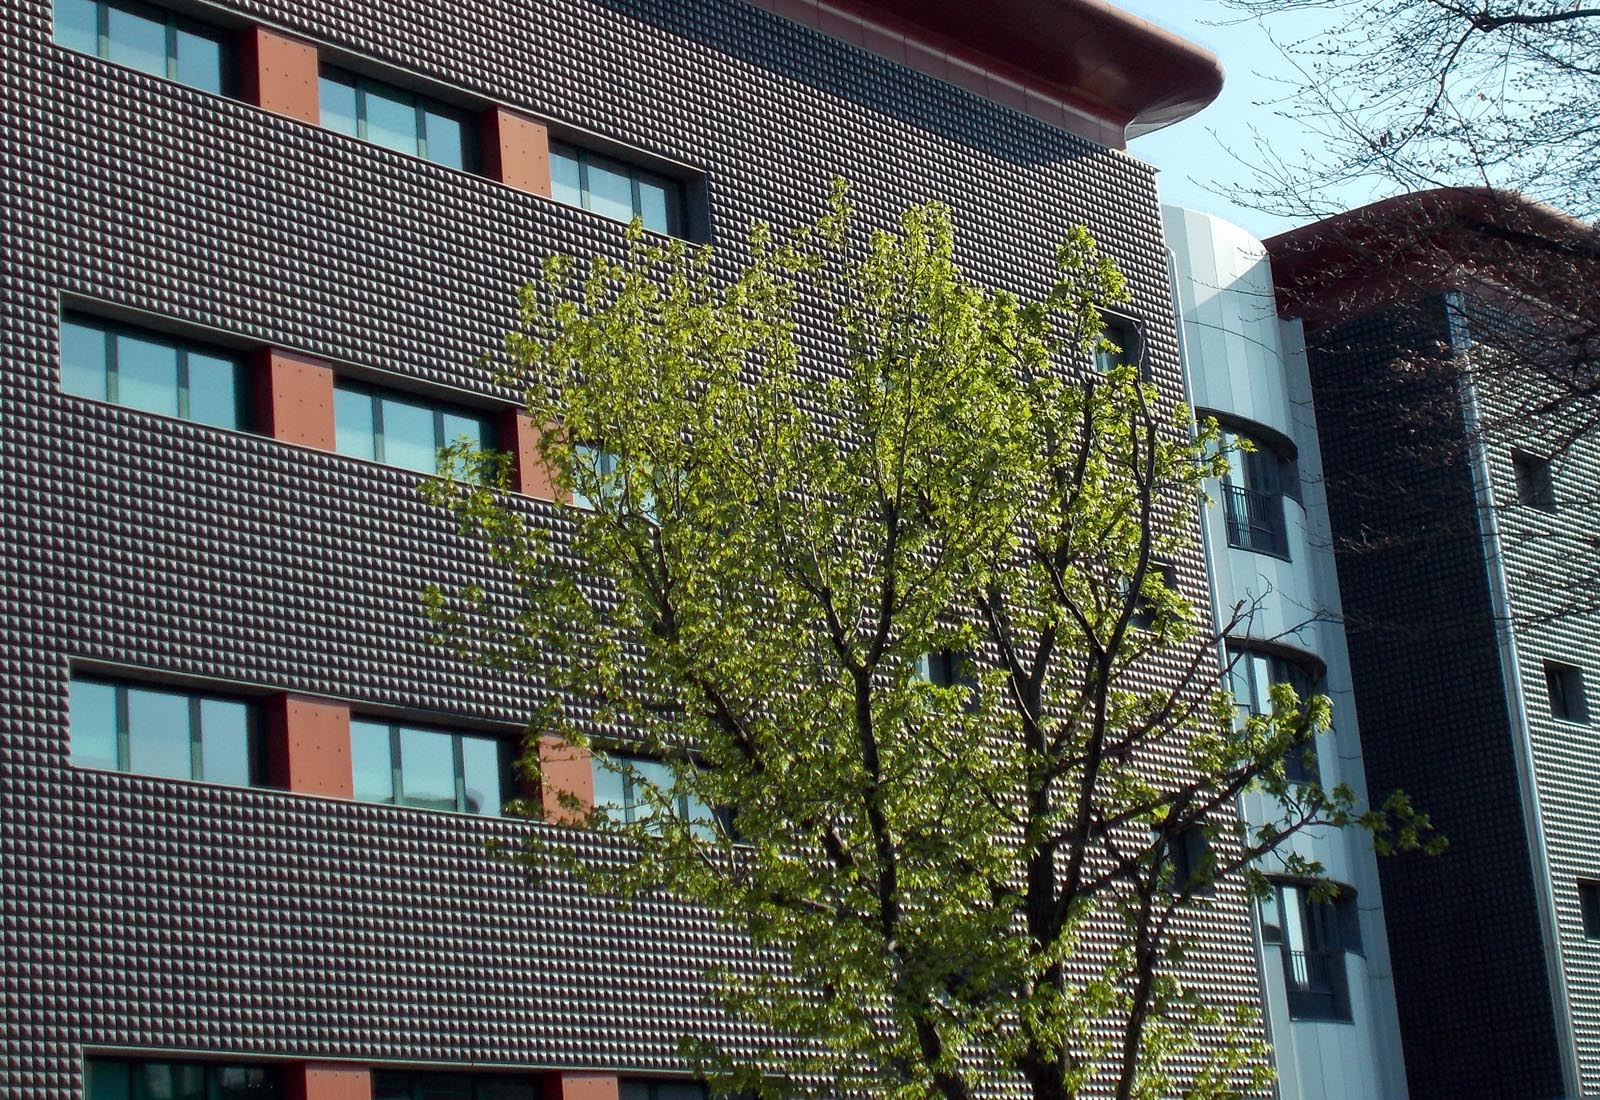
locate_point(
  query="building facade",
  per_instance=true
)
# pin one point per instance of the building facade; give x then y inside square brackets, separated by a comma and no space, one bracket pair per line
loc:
[1325,965]
[254,250]
[1445,335]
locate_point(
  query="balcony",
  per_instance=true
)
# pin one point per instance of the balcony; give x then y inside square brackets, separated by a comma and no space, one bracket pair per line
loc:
[1255,520]
[1317,985]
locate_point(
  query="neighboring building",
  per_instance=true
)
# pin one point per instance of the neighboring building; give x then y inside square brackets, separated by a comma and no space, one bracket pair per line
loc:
[253,251]
[1447,361]
[1325,965]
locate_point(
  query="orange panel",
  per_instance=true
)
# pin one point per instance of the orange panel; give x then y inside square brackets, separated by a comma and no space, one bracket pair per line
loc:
[279,73]
[294,398]
[308,746]
[580,1086]
[570,770]
[529,475]
[516,150]
[328,1081]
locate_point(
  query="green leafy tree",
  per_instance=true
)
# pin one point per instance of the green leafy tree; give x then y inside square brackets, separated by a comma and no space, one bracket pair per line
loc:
[800,484]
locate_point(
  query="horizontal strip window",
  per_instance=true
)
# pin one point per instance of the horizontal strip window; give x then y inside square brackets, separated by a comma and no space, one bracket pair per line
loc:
[642,1088]
[112,1079]
[430,769]
[153,372]
[401,430]
[622,785]
[392,1085]
[398,119]
[150,39]
[616,190]
[160,731]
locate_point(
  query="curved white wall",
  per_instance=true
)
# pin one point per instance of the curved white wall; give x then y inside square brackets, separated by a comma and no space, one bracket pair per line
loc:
[1243,361]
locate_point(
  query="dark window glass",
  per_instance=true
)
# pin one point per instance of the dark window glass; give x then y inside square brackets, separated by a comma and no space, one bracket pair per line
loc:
[397,118]
[160,731]
[1535,485]
[430,769]
[116,1080]
[1117,348]
[108,1080]
[153,372]
[1252,494]
[150,39]
[392,1085]
[622,785]
[400,430]
[1589,905]
[615,189]
[644,1088]
[1315,936]
[1565,686]
[1251,674]
[1189,855]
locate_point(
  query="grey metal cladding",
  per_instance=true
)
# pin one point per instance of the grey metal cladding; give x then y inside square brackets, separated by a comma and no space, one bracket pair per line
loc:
[143,912]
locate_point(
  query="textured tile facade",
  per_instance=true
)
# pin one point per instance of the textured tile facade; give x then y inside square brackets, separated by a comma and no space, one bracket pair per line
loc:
[141,912]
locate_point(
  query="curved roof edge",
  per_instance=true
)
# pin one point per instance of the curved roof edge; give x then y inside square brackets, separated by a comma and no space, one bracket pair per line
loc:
[1424,242]
[1085,65]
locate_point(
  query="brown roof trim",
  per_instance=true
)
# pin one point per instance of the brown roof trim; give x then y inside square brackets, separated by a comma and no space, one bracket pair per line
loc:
[1082,64]
[1412,245]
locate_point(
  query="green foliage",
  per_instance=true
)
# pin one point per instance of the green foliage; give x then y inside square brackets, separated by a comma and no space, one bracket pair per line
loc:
[789,525]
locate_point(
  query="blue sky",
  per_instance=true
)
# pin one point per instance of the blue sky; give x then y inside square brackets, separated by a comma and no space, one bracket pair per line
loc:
[1200,159]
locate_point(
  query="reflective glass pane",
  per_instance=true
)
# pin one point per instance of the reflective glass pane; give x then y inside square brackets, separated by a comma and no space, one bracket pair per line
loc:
[83,360]
[680,1090]
[371,761]
[610,789]
[94,724]
[247,1083]
[158,733]
[147,374]
[391,1086]
[76,26]
[428,769]
[565,182]
[137,40]
[457,425]
[408,435]
[446,139]
[200,60]
[651,778]
[225,742]
[352,423]
[482,775]
[336,95]
[506,1088]
[610,189]
[630,1089]
[443,1086]
[656,200]
[109,1081]
[391,118]
[213,390]
[163,1081]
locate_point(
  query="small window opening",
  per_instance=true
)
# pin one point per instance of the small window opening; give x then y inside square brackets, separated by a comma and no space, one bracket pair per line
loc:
[1535,487]
[1565,685]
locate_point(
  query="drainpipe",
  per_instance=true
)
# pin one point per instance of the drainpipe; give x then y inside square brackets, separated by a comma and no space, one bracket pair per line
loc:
[1516,705]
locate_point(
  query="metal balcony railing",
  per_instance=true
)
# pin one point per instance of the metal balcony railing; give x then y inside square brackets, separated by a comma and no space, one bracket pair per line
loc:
[1255,520]
[1318,987]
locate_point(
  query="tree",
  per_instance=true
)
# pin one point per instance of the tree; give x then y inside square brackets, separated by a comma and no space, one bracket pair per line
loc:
[802,481]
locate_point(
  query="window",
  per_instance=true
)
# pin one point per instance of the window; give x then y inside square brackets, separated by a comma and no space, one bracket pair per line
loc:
[1315,935]
[621,785]
[1253,490]
[429,768]
[113,1079]
[1144,608]
[1251,674]
[409,1085]
[1535,488]
[1565,685]
[1589,905]
[161,731]
[151,371]
[1189,855]
[616,190]
[401,430]
[601,468]
[149,39]
[946,668]
[398,119]
[638,1088]
[1121,345]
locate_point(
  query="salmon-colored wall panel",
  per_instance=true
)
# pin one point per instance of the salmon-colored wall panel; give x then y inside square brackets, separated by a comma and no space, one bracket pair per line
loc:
[564,767]
[328,1081]
[308,746]
[529,475]
[279,74]
[516,150]
[295,399]
[581,1086]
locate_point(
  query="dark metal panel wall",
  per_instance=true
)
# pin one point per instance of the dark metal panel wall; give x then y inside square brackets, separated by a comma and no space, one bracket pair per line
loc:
[138,911]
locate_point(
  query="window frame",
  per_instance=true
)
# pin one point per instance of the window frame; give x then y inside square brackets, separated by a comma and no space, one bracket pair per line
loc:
[1240,651]
[182,346]
[1534,479]
[1335,925]
[677,190]
[506,752]
[489,433]
[719,817]
[1253,515]
[210,1071]
[172,23]
[421,103]
[1589,907]
[1128,333]
[255,729]
[1566,692]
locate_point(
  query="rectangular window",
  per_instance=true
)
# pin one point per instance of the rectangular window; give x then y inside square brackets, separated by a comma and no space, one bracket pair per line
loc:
[433,1085]
[150,39]
[1565,686]
[115,1079]
[153,372]
[161,731]
[429,768]
[647,1088]
[1120,345]
[1251,674]
[624,785]
[1589,905]
[1253,490]
[398,119]
[615,189]
[1535,486]
[1315,936]
[401,430]
[1193,865]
